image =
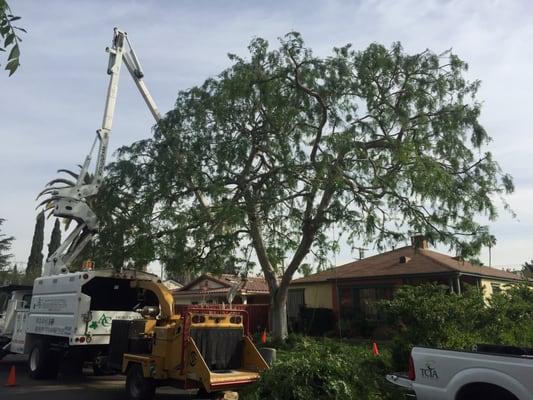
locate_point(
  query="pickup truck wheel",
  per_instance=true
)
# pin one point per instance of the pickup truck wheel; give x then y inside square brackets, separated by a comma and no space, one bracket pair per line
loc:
[485,391]
[41,363]
[137,386]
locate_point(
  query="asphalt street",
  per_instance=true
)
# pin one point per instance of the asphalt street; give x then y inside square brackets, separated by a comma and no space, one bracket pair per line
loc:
[86,387]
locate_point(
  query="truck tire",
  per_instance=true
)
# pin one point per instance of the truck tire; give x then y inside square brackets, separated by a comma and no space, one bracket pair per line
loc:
[137,386]
[42,363]
[484,391]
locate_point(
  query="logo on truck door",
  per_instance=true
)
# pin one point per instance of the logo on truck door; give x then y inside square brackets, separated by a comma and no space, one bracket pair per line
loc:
[104,321]
[429,372]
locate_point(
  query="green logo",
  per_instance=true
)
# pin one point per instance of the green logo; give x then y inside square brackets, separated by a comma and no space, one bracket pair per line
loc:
[103,321]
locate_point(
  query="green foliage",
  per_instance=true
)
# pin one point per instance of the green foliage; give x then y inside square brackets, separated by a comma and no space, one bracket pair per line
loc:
[35,260]
[293,144]
[428,315]
[5,247]
[325,369]
[264,160]
[10,36]
[527,269]
[511,317]
[55,238]
[8,272]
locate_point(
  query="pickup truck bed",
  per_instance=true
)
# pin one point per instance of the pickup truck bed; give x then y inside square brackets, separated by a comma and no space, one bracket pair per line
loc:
[489,373]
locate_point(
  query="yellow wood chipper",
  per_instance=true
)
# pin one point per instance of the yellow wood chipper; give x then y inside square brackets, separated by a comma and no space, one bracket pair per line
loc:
[203,347]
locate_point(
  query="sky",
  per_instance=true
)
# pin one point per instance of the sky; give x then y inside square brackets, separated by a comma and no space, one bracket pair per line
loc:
[51,107]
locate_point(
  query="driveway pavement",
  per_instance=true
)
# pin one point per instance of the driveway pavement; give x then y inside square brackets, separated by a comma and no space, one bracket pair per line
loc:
[86,387]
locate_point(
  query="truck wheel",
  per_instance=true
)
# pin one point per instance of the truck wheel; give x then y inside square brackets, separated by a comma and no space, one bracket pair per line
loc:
[42,363]
[137,386]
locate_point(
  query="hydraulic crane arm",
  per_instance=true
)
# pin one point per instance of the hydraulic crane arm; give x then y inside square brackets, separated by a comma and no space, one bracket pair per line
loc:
[70,200]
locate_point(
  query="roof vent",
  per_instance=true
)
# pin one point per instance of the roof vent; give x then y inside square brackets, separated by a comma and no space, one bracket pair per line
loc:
[404,259]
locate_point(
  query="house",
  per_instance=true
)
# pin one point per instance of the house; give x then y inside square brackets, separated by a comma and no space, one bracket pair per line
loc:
[251,294]
[172,284]
[211,289]
[353,290]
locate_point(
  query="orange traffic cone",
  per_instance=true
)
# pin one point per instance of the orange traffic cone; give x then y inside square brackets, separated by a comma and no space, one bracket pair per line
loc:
[375,349]
[12,377]
[264,337]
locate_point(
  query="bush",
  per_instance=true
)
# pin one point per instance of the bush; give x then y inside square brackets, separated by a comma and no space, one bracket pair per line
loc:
[324,369]
[511,314]
[428,315]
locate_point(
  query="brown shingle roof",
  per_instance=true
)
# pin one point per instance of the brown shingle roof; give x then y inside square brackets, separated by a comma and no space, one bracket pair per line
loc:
[251,285]
[421,261]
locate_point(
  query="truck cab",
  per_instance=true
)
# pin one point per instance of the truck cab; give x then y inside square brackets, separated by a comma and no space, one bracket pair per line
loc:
[14,299]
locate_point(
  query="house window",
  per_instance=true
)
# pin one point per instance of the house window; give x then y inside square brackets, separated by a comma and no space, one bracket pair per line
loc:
[496,288]
[295,302]
[363,302]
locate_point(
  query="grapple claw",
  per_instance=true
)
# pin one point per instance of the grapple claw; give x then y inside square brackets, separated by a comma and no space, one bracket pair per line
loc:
[66,171]
[50,190]
[46,201]
[61,180]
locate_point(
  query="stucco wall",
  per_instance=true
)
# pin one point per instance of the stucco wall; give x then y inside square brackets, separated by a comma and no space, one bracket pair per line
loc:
[486,284]
[317,295]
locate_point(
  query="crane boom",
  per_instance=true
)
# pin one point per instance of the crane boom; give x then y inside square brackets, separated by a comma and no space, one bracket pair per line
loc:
[70,200]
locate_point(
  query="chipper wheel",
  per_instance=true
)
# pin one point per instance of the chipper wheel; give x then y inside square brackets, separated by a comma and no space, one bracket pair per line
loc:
[137,386]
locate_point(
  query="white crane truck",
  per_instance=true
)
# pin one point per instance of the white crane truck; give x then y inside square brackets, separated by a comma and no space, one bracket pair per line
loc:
[490,372]
[70,313]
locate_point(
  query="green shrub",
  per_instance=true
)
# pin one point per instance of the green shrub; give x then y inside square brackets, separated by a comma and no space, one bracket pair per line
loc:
[325,369]
[511,315]
[428,315]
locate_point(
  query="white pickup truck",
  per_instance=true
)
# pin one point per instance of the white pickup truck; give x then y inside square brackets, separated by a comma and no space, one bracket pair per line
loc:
[489,372]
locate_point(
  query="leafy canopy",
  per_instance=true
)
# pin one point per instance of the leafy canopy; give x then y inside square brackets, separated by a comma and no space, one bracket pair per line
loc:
[263,160]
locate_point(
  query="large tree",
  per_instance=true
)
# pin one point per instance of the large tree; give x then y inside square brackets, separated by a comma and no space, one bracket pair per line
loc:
[35,260]
[264,161]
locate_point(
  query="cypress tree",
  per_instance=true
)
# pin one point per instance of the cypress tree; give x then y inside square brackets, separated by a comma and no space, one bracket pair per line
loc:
[5,246]
[55,239]
[35,261]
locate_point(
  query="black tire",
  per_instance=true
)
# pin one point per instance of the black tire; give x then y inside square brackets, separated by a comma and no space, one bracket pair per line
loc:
[137,386]
[42,363]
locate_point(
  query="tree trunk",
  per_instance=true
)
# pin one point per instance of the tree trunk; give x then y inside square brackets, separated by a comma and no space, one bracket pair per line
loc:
[278,313]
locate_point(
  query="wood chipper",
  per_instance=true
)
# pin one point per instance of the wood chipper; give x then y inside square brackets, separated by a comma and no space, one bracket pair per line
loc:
[204,347]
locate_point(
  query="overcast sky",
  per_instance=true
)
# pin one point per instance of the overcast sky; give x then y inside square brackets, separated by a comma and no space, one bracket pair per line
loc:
[51,107]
